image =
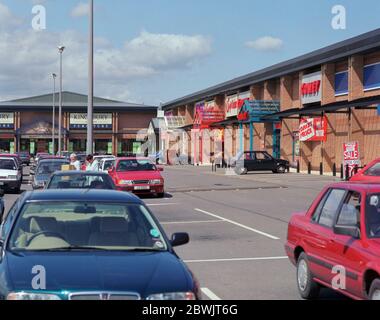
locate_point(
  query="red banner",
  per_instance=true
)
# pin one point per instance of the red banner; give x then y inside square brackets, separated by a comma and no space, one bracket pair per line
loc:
[313,129]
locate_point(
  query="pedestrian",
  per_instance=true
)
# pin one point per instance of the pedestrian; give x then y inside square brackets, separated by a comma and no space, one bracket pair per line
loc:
[91,164]
[74,161]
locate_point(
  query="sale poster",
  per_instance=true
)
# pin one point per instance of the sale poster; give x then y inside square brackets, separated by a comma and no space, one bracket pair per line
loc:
[351,156]
[313,129]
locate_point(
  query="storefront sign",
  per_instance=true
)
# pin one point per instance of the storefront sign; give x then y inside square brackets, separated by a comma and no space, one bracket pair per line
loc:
[313,129]
[6,120]
[311,88]
[244,116]
[101,120]
[351,156]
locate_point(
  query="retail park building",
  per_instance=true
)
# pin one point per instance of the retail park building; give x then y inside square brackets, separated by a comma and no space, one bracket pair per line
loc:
[307,110]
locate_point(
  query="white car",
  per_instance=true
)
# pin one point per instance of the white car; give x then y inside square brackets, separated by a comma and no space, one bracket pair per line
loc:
[106,163]
[10,175]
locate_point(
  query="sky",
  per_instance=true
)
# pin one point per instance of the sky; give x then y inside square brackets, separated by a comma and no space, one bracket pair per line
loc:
[154,51]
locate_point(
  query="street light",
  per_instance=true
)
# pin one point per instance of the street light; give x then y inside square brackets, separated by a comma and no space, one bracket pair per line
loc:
[90,104]
[53,124]
[60,50]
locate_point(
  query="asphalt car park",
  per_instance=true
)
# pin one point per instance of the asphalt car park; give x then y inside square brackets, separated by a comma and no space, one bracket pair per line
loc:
[237,227]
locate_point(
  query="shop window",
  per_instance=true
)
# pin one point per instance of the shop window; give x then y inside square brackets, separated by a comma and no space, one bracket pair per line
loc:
[372,77]
[341,83]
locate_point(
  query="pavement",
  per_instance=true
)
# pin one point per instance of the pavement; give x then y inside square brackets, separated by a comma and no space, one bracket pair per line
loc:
[237,227]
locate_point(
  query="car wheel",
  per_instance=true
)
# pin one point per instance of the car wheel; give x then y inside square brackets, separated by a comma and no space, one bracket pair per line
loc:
[307,287]
[161,195]
[281,169]
[374,292]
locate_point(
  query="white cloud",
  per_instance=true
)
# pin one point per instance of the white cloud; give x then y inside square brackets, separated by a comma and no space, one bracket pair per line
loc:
[7,19]
[266,43]
[80,10]
[28,57]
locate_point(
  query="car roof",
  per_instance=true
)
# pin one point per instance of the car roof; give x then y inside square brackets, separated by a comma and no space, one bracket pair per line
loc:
[81,195]
[77,172]
[359,185]
[53,160]
[133,158]
[7,158]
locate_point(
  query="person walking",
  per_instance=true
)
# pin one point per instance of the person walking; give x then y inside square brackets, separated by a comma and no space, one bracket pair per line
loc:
[91,164]
[74,161]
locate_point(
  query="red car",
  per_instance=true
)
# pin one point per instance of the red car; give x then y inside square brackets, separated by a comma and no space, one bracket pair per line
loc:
[336,243]
[370,173]
[137,175]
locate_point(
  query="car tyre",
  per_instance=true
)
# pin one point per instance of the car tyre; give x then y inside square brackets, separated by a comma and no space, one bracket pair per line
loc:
[161,195]
[374,292]
[281,169]
[307,287]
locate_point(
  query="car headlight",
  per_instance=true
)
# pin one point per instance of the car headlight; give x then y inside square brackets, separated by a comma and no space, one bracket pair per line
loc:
[12,177]
[172,296]
[32,296]
[155,181]
[126,182]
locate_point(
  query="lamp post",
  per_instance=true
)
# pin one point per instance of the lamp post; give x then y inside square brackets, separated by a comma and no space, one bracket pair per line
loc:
[60,50]
[90,80]
[53,122]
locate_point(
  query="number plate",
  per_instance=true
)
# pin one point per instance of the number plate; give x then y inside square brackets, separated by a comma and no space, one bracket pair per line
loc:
[142,188]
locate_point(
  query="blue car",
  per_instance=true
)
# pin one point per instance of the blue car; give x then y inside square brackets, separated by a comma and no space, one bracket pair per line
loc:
[89,245]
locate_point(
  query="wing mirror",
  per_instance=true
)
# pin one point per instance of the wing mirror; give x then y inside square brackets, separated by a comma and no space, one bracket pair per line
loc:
[160,168]
[351,231]
[111,170]
[179,239]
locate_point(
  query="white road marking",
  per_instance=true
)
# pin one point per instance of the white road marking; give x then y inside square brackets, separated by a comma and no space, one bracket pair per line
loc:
[238,224]
[210,294]
[161,204]
[237,259]
[190,222]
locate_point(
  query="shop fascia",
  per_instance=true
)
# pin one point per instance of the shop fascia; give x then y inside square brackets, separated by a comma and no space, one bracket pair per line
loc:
[101,120]
[6,120]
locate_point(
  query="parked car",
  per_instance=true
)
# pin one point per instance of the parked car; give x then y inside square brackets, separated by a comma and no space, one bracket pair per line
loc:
[45,169]
[14,156]
[106,164]
[39,155]
[340,230]
[25,157]
[370,173]
[10,174]
[94,245]
[258,161]
[2,205]
[44,157]
[80,180]
[137,175]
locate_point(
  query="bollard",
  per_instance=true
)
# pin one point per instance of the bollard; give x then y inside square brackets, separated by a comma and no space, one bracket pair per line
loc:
[321,169]
[298,166]
[341,172]
[309,168]
[347,172]
[334,169]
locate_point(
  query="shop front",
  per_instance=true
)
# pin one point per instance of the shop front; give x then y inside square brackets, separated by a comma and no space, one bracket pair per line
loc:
[7,138]
[203,134]
[254,112]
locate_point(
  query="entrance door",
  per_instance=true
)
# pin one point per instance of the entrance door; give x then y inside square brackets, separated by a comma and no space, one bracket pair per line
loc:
[276,143]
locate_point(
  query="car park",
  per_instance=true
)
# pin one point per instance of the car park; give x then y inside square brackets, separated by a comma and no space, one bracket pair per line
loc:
[10,174]
[13,156]
[137,175]
[94,245]
[370,173]
[80,180]
[45,169]
[340,231]
[259,161]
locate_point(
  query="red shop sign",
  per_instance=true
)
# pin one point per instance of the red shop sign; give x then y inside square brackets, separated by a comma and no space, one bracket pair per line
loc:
[243,116]
[311,88]
[313,129]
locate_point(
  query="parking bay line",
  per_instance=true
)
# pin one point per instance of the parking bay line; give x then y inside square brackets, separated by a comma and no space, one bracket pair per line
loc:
[238,224]
[237,259]
[210,294]
[160,204]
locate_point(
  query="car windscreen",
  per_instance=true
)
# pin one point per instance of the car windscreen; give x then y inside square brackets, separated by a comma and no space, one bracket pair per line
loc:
[81,181]
[7,164]
[135,165]
[85,225]
[374,171]
[50,167]
[372,215]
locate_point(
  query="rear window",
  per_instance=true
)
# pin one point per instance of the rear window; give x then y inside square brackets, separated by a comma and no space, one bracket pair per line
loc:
[7,164]
[374,171]
[80,181]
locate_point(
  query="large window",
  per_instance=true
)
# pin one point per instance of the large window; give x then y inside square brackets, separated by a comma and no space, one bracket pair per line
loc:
[341,83]
[372,77]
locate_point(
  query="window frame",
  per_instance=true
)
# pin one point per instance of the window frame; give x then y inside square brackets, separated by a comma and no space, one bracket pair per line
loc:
[346,200]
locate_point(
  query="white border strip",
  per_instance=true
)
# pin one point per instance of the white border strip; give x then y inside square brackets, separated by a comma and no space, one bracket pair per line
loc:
[210,294]
[238,224]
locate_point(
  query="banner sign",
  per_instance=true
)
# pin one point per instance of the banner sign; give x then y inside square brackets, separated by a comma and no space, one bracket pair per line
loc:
[313,129]
[351,156]
[6,120]
[311,88]
[101,120]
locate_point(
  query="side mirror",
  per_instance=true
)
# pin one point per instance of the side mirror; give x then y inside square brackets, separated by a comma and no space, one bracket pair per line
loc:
[111,170]
[179,239]
[160,168]
[351,231]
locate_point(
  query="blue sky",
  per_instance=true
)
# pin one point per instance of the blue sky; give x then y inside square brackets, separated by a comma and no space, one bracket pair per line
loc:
[223,28]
